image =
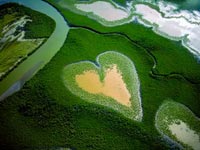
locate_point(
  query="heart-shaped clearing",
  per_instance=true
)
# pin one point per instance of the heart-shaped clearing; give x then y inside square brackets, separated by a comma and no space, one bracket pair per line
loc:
[113,83]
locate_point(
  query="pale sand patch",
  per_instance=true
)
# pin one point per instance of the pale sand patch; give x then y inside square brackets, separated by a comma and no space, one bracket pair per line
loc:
[104,10]
[186,135]
[112,86]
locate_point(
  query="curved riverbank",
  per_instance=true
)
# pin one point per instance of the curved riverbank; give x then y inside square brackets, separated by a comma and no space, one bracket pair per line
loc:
[43,55]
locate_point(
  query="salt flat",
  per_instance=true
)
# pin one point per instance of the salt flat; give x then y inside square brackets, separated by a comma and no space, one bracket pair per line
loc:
[184,134]
[175,27]
[104,10]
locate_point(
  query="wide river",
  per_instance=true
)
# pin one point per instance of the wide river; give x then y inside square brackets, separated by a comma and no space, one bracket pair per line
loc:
[16,79]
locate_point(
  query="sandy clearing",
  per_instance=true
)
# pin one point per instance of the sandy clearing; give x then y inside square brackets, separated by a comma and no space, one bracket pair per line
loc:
[112,85]
[104,10]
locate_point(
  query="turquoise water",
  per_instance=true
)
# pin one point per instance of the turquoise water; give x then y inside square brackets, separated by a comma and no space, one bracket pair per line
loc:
[43,55]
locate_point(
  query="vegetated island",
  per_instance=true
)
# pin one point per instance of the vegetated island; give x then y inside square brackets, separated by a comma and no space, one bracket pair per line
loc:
[22,31]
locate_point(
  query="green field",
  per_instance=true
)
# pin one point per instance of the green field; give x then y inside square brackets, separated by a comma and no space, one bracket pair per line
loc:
[45,113]
[37,28]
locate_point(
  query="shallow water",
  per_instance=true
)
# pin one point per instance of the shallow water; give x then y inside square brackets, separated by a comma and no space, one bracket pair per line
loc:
[112,85]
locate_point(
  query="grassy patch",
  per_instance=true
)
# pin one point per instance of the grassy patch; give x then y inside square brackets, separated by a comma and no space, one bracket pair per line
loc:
[14,53]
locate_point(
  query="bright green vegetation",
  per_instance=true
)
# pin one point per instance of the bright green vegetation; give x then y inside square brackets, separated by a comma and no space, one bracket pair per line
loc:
[22,31]
[174,113]
[7,19]
[105,61]
[45,113]
[20,50]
